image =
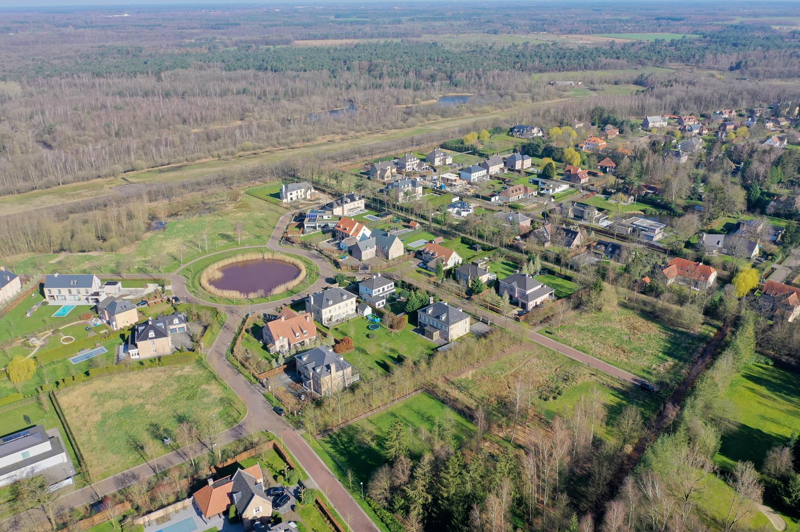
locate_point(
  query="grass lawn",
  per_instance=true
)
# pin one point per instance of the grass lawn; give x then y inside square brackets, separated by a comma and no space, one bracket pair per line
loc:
[15,325]
[160,251]
[565,194]
[503,268]
[141,283]
[194,271]
[378,355]
[358,447]
[466,159]
[315,238]
[766,409]
[564,288]
[438,200]
[713,505]
[601,203]
[464,250]
[408,238]
[271,192]
[111,416]
[363,217]
[632,341]
[251,340]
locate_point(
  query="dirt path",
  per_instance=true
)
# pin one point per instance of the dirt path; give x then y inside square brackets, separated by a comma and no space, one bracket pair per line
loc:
[775,520]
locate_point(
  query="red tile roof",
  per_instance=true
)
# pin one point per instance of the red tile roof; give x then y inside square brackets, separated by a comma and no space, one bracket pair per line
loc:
[438,252]
[297,328]
[349,226]
[686,268]
[214,499]
[607,162]
[771,288]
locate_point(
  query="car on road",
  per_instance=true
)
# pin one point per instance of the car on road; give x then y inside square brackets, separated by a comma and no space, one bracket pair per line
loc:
[280,411]
[646,386]
[281,501]
[276,491]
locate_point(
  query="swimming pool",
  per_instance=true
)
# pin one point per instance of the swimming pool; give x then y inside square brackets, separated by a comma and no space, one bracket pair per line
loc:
[187,525]
[80,357]
[63,311]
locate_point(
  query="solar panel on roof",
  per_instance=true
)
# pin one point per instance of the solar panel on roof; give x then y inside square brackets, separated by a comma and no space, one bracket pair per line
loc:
[16,436]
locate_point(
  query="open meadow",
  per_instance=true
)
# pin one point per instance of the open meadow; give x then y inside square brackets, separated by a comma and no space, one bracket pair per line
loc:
[119,421]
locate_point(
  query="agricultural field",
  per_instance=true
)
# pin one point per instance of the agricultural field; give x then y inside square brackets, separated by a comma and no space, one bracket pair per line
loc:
[379,354]
[357,447]
[648,36]
[160,251]
[632,341]
[113,417]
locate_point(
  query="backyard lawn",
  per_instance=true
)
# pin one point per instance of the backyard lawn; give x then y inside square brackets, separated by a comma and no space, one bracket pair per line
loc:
[564,288]
[503,268]
[410,238]
[463,249]
[115,417]
[378,355]
[602,203]
[357,447]
[271,192]
[632,341]
[15,325]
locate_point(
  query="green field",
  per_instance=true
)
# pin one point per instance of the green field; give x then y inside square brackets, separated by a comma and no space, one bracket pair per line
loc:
[408,238]
[632,341]
[160,251]
[564,287]
[357,447]
[649,36]
[615,208]
[464,250]
[378,355]
[271,192]
[503,268]
[113,415]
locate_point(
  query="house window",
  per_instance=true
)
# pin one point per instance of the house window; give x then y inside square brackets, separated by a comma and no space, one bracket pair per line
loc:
[257,510]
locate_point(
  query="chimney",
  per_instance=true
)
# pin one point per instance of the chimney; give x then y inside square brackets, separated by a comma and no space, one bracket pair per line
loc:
[283,317]
[308,318]
[210,481]
[55,274]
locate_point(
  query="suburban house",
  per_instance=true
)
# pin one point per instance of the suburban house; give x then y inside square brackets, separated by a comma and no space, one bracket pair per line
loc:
[434,254]
[548,235]
[438,157]
[466,273]
[29,452]
[292,192]
[543,235]
[693,130]
[525,291]
[515,220]
[73,289]
[387,246]
[733,245]
[474,173]
[695,275]
[645,229]
[289,331]
[759,230]
[516,193]
[526,132]
[117,313]
[518,161]
[347,227]
[687,120]
[364,249]
[691,146]
[317,220]
[680,156]
[440,321]
[581,211]
[383,171]
[324,372]
[460,209]
[607,165]
[375,290]
[347,205]
[405,189]
[609,132]
[574,174]
[244,489]
[786,205]
[10,286]
[608,250]
[549,188]
[654,122]
[780,301]
[592,144]
[332,306]
[408,163]
[449,179]
[153,338]
[775,142]
[727,127]
[493,165]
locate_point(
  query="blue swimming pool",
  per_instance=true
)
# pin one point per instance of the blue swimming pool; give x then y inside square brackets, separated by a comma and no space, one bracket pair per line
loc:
[63,311]
[80,357]
[187,525]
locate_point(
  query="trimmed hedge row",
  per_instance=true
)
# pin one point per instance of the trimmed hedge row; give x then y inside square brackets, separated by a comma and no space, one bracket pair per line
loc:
[13,398]
[386,516]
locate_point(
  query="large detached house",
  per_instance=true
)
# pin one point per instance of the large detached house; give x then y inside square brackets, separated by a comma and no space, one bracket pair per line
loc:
[526,132]
[518,161]
[383,171]
[434,254]
[438,157]
[516,193]
[117,313]
[349,228]
[292,192]
[347,205]
[474,173]
[29,452]
[780,301]
[408,163]
[654,122]
[493,165]
[244,489]
[324,372]
[78,289]
[521,223]
[10,285]
[525,291]
[289,331]
[466,273]
[154,337]
[576,175]
[440,321]
[332,306]
[405,189]
[695,275]
[592,144]
[375,290]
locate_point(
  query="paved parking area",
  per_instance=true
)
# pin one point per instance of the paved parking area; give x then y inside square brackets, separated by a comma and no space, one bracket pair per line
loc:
[190,520]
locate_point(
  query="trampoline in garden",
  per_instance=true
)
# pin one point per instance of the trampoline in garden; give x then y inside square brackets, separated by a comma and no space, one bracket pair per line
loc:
[373,326]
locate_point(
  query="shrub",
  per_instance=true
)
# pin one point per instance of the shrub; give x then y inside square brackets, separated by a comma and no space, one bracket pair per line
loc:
[292,477]
[13,398]
[232,516]
[21,369]
[345,345]
[398,323]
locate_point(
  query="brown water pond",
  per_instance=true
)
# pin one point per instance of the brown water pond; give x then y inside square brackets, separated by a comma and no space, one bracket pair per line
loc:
[253,275]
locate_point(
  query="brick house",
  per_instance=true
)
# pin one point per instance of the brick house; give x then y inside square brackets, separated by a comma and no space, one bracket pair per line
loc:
[289,332]
[695,275]
[575,175]
[323,372]
[780,301]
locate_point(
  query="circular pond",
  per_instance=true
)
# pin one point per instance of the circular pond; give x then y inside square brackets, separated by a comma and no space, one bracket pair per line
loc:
[246,277]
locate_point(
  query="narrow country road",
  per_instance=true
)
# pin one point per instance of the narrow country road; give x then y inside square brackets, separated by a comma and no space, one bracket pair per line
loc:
[260,416]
